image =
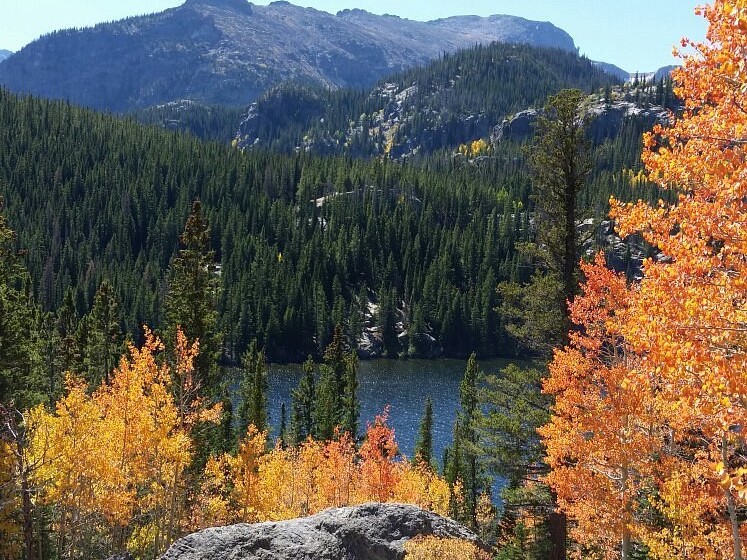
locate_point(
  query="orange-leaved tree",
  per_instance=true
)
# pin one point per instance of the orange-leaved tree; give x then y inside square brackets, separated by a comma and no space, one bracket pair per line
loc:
[258,484]
[377,460]
[688,319]
[606,423]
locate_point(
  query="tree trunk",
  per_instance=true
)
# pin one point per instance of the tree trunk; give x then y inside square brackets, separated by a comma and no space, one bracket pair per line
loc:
[558,535]
[731,505]
[627,513]
[28,519]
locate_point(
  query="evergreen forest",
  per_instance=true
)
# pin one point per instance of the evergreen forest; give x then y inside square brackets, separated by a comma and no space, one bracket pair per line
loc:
[152,265]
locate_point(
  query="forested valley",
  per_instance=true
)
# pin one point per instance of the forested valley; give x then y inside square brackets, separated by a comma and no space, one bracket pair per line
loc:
[139,266]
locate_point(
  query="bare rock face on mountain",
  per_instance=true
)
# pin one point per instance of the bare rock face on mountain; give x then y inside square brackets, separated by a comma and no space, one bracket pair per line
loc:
[365,532]
[230,51]
[606,120]
[4,54]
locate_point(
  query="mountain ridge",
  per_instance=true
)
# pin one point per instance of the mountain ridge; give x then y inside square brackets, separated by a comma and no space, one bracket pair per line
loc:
[454,100]
[231,51]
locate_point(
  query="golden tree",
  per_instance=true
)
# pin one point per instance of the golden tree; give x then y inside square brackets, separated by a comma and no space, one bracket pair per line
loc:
[688,319]
[112,462]
[678,337]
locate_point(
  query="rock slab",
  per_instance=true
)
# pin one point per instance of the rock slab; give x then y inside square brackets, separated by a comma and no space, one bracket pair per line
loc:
[366,532]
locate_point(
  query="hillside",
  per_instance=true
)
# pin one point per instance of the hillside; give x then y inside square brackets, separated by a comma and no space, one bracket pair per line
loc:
[230,51]
[453,100]
[4,54]
[304,243]
[407,258]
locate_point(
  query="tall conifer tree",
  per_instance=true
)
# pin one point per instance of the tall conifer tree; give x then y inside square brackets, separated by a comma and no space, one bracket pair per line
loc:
[302,407]
[424,443]
[254,389]
[191,299]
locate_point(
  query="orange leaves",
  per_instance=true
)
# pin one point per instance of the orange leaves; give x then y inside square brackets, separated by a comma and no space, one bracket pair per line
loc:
[261,485]
[379,475]
[603,430]
[689,315]
[652,393]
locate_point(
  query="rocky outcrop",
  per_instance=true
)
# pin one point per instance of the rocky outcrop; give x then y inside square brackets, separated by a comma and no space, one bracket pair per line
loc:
[516,128]
[606,120]
[366,532]
[231,51]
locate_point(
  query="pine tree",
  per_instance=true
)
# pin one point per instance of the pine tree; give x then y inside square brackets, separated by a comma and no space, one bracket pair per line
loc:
[19,384]
[469,467]
[351,407]
[254,389]
[193,289]
[560,162]
[337,402]
[104,344]
[424,443]
[326,405]
[302,406]
[67,326]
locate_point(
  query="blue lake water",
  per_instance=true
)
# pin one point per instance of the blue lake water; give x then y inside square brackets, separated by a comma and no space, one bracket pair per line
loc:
[404,385]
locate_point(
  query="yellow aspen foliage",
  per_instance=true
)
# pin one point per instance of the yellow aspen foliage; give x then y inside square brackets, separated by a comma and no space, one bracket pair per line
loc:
[478,147]
[213,506]
[430,548]
[310,459]
[474,148]
[245,475]
[418,484]
[337,473]
[283,483]
[113,461]
[280,495]
[687,506]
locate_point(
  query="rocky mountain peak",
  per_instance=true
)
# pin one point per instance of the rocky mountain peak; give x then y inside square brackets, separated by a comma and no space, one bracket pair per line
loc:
[229,52]
[237,5]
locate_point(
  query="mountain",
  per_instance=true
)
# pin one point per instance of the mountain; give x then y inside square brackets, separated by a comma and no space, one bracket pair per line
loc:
[454,100]
[4,54]
[664,72]
[616,71]
[230,51]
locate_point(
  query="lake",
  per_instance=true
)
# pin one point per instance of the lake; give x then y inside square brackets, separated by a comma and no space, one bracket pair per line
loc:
[402,384]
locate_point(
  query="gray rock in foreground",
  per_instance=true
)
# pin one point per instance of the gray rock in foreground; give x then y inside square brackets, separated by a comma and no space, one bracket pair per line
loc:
[366,532]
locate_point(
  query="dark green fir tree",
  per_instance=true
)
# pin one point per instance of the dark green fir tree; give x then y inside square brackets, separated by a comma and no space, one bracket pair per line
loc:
[254,389]
[424,443]
[302,407]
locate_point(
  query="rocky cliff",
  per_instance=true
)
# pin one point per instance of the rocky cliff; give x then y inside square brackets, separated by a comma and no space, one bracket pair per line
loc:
[365,532]
[230,51]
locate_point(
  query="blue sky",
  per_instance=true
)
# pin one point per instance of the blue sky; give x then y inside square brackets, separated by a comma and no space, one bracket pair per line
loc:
[636,35]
